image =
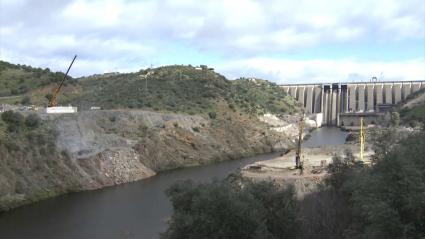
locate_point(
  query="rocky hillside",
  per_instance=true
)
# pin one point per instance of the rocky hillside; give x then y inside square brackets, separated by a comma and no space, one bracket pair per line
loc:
[151,121]
[412,109]
[93,149]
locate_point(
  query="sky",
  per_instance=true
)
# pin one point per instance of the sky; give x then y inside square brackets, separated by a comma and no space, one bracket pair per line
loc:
[283,41]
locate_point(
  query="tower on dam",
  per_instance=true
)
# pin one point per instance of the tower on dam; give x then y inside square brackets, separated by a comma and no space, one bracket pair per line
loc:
[330,99]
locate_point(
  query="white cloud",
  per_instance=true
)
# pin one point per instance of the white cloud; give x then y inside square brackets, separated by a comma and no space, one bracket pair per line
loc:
[128,34]
[322,71]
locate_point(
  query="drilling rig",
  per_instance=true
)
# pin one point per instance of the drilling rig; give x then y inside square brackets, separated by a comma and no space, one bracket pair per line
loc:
[298,164]
[361,139]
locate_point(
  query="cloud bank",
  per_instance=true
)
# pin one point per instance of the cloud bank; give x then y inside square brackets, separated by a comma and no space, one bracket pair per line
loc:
[240,38]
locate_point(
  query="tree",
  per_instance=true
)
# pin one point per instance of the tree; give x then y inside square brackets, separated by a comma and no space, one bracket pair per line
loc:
[12,117]
[388,200]
[220,209]
[395,118]
[49,96]
[383,141]
[14,120]
[26,100]
[32,121]
[342,169]
[47,70]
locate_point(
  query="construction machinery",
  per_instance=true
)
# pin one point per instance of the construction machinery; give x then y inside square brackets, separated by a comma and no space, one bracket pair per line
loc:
[361,139]
[298,164]
[53,100]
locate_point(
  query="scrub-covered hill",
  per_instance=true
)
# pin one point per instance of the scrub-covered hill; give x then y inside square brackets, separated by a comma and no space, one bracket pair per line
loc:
[177,116]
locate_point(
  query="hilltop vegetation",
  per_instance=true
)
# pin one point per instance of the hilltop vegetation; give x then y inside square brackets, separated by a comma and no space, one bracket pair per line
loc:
[178,89]
[18,81]
[412,109]
[184,89]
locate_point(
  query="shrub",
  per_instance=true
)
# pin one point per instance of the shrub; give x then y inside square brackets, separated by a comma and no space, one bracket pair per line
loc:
[14,92]
[26,100]
[32,121]
[175,124]
[342,169]
[13,128]
[212,115]
[41,139]
[11,146]
[49,96]
[413,123]
[12,117]
[196,129]
[387,200]
[219,209]
[395,119]
[113,118]
[30,136]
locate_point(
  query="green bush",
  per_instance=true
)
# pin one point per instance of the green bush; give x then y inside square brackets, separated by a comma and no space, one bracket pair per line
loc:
[196,129]
[219,209]
[11,146]
[113,118]
[14,128]
[395,118]
[14,121]
[32,121]
[342,169]
[413,123]
[41,139]
[388,200]
[49,96]
[212,115]
[12,117]
[26,100]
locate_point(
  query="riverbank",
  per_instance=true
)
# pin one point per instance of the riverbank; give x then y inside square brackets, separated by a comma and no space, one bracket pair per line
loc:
[97,149]
[316,161]
[138,207]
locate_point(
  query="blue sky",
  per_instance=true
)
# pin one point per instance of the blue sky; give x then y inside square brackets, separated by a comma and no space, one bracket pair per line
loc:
[278,40]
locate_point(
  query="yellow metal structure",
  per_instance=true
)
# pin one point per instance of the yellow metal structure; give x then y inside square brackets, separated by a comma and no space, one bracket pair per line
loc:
[298,154]
[53,100]
[361,139]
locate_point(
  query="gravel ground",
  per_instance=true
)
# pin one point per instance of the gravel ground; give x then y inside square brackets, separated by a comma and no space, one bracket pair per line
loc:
[312,157]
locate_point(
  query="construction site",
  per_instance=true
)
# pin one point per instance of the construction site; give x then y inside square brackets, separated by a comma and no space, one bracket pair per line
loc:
[311,162]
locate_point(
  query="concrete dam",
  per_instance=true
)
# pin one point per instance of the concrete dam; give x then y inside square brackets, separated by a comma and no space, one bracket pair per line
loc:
[332,99]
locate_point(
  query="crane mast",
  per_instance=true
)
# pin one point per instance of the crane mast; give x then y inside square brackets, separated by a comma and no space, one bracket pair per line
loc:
[298,154]
[53,100]
[361,139]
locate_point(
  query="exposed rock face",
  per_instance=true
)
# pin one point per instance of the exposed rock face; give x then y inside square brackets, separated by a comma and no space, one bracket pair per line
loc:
[103,148]
[290,125]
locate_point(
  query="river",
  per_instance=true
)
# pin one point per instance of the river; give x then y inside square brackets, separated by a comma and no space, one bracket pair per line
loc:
[131,210]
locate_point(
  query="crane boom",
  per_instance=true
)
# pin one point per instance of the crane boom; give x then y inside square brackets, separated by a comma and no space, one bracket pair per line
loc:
[53,100]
